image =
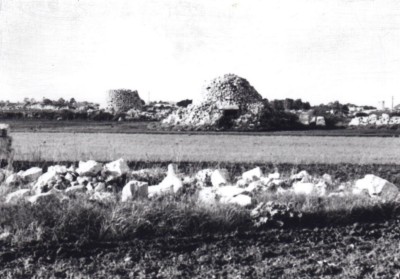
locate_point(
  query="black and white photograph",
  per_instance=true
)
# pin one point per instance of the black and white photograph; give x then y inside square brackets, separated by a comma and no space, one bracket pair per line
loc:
[199,139]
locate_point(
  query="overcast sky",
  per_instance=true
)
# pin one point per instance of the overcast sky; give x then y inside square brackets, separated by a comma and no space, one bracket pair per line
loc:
[320,51]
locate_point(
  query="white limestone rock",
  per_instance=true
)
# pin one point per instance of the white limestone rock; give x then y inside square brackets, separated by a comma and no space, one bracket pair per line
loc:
[188,180]
[100,187]
[275,175]
[303,176]
[242,183]
[207,196]
[203,177]
[89,168]
[159,190]
[252,175]
[69,177]
[171,183]
[58,169]
[219,178]
[32,174]
[327,178]
[307,188]
[117,168]
[83,180]
[376,187]
[229,191]
[303,188]
[46,197]
[89,187]
[44,181]
[13,180]
[135,189]
[18,195]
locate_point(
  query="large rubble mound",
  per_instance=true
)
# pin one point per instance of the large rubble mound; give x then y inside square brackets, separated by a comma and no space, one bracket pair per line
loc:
[228,101]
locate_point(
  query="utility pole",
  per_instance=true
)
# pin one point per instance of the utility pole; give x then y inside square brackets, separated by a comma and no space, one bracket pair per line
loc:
[392,103]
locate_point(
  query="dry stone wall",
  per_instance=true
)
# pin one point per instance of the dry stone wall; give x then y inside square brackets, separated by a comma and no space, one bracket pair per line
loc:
[122,100]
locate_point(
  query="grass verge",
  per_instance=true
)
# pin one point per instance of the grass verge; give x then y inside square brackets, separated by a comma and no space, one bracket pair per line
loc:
[81,220]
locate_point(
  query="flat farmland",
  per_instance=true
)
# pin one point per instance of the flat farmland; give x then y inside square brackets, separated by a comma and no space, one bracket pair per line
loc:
[205,148]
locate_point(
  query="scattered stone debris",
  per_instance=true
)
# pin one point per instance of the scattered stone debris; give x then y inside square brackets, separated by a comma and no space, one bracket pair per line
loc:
[100,182]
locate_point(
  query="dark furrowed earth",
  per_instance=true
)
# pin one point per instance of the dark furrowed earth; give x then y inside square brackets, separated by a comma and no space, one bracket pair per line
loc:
[354,251]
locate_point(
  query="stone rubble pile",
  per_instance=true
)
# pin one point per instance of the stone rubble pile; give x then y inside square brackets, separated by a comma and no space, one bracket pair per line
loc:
[375,120]
[122,100]
[228,98]
[115,181]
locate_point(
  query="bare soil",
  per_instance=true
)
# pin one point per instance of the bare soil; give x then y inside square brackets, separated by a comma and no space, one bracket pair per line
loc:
[353,251]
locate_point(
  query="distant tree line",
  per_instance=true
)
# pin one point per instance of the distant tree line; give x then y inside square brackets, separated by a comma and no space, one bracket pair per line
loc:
[63,114]
[289,104]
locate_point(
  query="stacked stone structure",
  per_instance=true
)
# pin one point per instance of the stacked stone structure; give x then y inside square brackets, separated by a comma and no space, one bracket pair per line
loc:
[6,151]
[228,101]
[122,100]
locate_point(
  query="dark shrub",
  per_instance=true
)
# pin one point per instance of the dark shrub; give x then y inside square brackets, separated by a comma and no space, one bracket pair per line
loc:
[184,103]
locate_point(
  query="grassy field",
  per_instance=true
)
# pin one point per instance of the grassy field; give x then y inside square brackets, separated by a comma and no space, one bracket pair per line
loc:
[210,148]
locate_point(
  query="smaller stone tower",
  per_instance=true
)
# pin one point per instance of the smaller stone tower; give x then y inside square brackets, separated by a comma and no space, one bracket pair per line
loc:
[122,100]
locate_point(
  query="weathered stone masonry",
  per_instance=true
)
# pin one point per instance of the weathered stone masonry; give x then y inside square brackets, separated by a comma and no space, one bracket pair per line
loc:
[122,100]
